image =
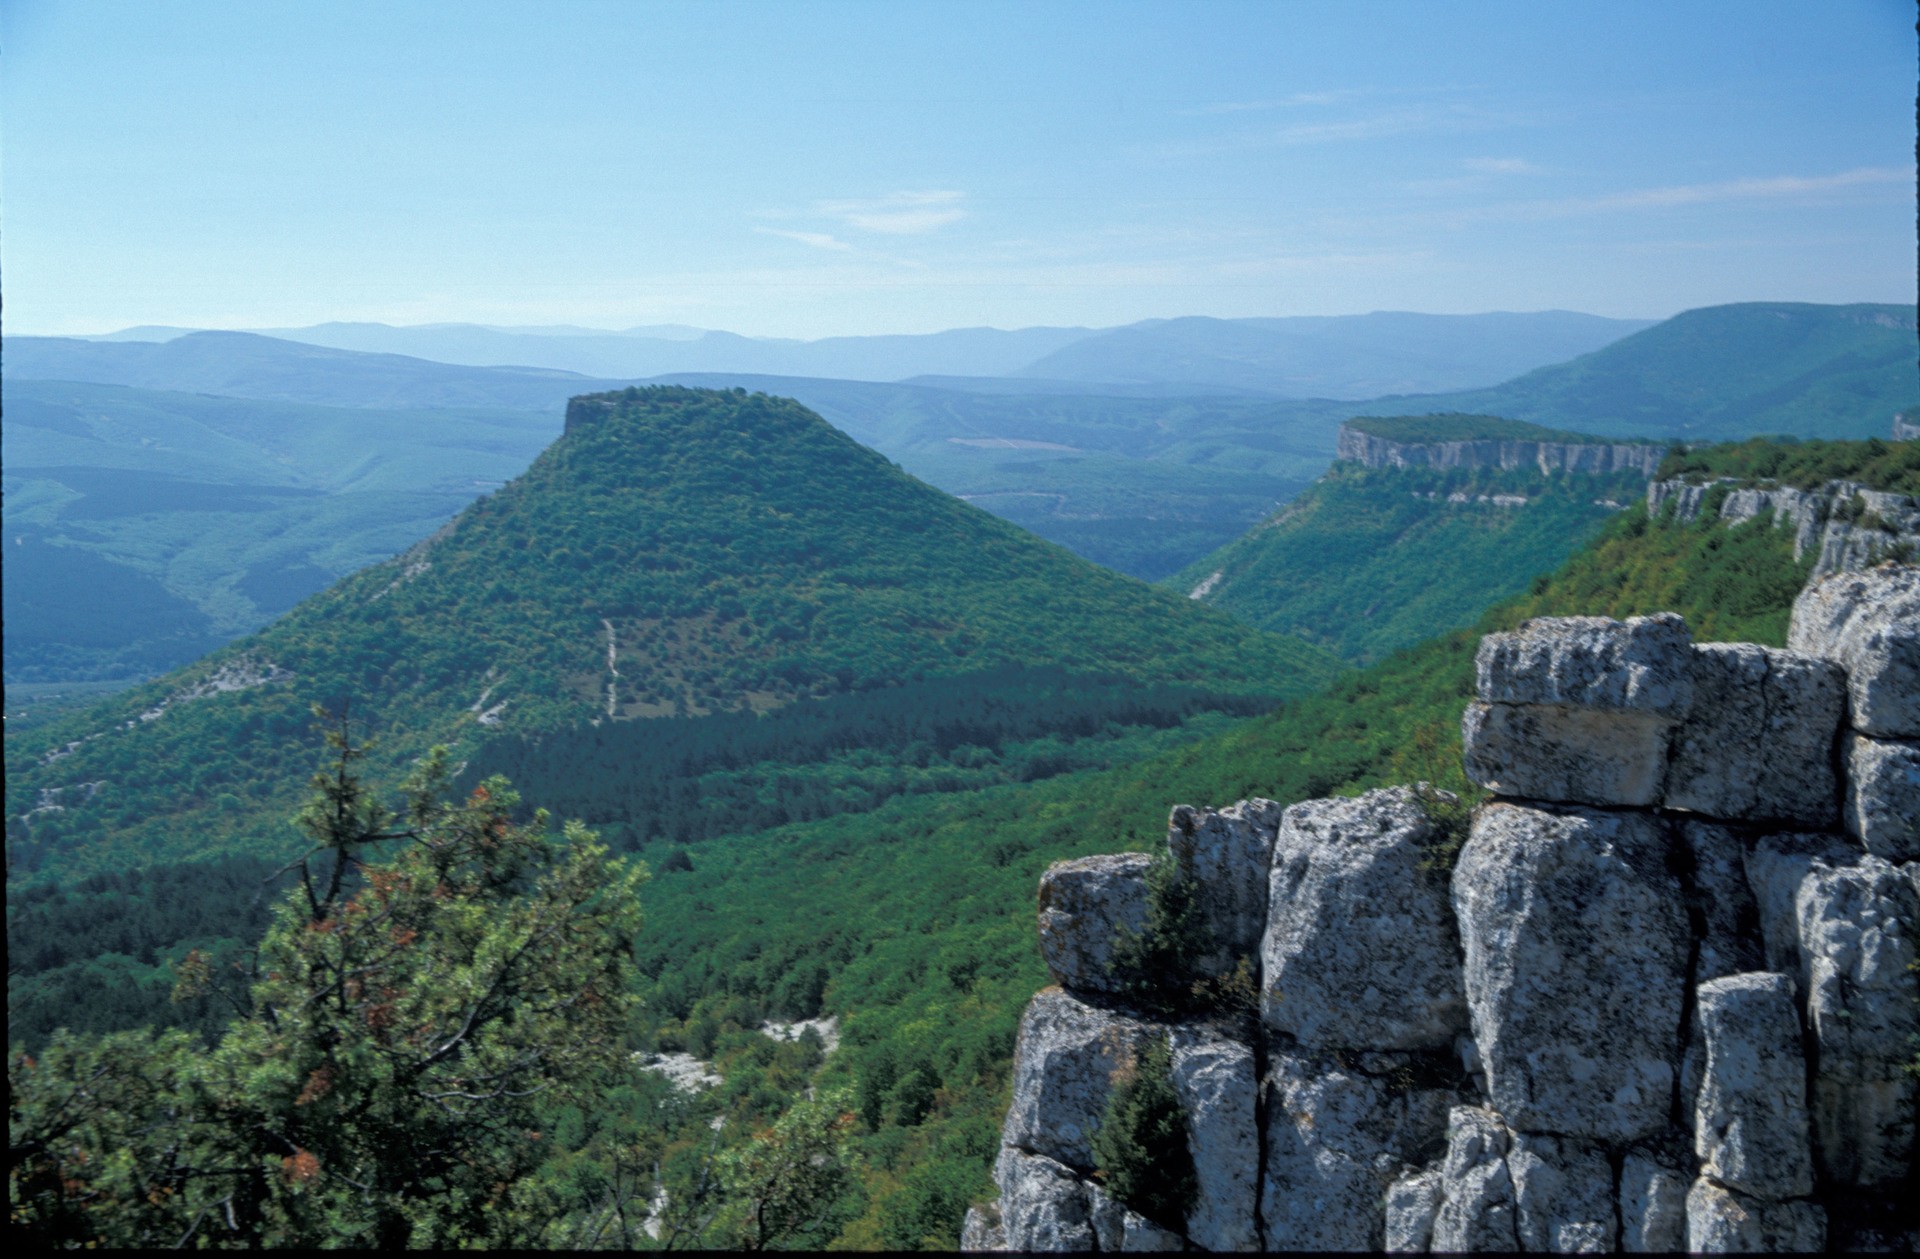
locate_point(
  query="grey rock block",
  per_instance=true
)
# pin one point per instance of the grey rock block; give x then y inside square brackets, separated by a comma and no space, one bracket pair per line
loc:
[1653,1204]
[1721,1221]
[1570,755]
[1883,796]
[1337,1138]
[1412,1203]
[1729,918]
[1218,1087]
[1477,1211]
[1063,1068]
[1043,1205]
[1776,867]
[1563,1194]
[981,1231]
[1576,946]
[1117,1228]
[1750,1116]
[1225,854]
[1360,947]
[1869,624]
[1643,664]
[1858,927]
[1087,906]
[1758,744]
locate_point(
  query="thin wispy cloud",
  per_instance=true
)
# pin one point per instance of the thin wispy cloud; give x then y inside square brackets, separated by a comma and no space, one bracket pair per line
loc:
[1291,101]
[1500,166]
[819,240]
[898,213]
[1778,187]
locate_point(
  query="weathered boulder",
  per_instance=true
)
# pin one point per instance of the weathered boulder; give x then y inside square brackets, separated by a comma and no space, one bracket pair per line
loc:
[1883,796]
[1572,755]
[1087,907]
[1750,1117]
[1360,948]
[1758,743]
[1043,1205]
[1653,1203]
[1576,954]
[1477,1209]
[1721,1221]
[1223,854]
[1776,867]
[1858,927]
[1869,624]
[1412,1203]
[1563,1194]
[1118,1228]
[1063,1069]
[1336,1139]
[1643,664]
[1218,1085]
[981,1230]
[1728,918]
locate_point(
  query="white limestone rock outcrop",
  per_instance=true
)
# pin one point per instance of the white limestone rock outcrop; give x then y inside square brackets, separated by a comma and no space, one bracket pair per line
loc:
[1721,1221]
[1360,948]
[1224,854]
[1587,756]
[1563,1194]
[1844,525]
[1576,967]
[1087,907]
[1337,1136]
[1477,1210]
[1750,1118]
[1869,624]
[1883,796]
[1043,1205]
[1064,1066]
[1857,929]
[1579,709]
[1217,1082]
[1653,1204]
[1758,741]
[1664,999]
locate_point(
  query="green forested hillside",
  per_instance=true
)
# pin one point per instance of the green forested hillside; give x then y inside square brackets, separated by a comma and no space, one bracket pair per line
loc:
[148,528]
[912,921]
[678,552]
[1370,560]
[1725,372]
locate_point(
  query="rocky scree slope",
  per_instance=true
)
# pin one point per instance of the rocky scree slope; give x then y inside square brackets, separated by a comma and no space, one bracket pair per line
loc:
[1664,999]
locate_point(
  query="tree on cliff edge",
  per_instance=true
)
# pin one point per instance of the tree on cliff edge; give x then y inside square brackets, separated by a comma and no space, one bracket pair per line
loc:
[408,1020]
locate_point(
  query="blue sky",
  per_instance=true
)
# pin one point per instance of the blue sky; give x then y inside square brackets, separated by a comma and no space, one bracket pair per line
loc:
[811,169]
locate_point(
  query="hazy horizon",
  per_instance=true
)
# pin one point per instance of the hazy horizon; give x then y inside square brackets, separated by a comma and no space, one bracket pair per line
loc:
[805,171]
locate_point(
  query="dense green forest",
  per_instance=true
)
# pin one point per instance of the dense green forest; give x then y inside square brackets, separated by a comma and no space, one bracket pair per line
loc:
[678,552]
[1459,427]
[1370,560]
[1881,465]
[912,920]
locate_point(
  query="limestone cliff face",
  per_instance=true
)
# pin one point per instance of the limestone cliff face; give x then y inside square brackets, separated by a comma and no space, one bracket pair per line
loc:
[1588,457]
[1843,523]
[1664,999]
[1906,426]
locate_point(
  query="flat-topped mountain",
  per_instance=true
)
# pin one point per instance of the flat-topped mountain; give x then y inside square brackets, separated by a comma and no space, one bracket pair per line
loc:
[677,552]
[1485,441]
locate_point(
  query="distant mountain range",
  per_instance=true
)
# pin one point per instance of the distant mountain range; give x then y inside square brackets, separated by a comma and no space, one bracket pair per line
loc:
[169,463]
[1343,356]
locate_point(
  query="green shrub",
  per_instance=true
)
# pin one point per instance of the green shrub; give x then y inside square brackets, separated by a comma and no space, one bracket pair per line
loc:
[1140,1149]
